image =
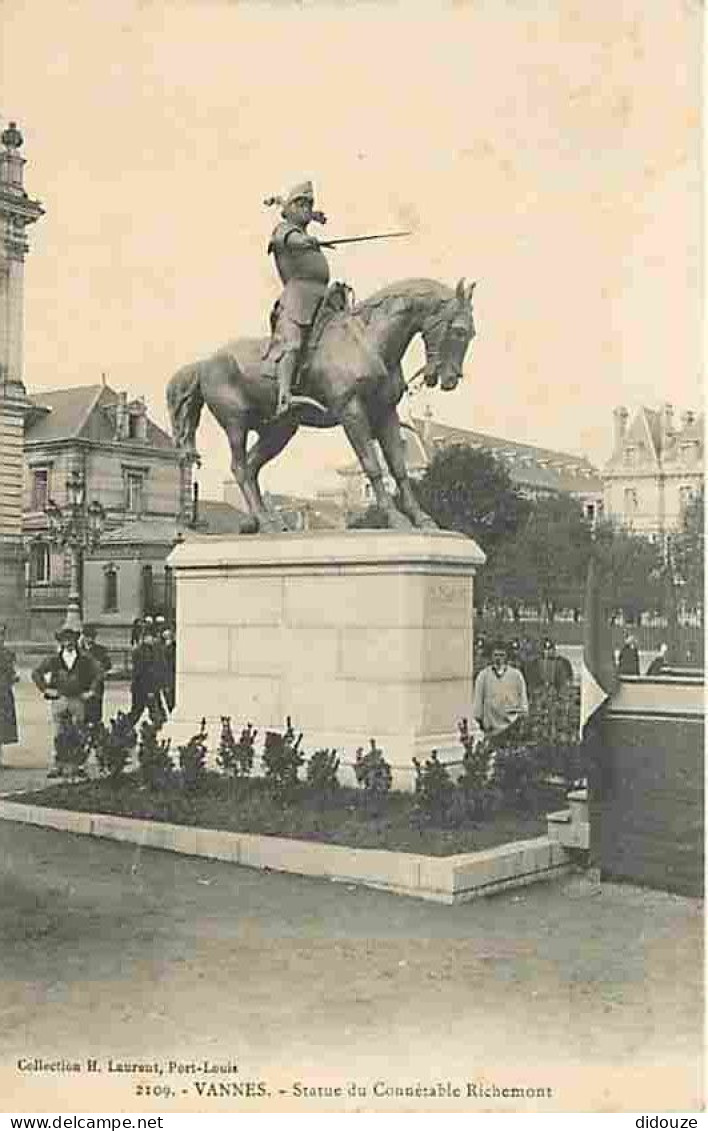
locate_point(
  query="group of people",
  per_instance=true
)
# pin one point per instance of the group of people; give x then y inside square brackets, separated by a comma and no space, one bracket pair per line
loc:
[507,674]
[153,668]
[73,678]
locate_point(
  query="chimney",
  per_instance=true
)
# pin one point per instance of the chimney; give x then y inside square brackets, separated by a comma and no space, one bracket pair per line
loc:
[122,417]
[688,418]
[621,416]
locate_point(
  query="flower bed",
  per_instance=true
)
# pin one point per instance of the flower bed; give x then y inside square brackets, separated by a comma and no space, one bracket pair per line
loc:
[344,817]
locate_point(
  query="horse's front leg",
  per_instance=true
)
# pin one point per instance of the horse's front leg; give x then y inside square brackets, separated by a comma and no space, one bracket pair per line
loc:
[273,437]
[355,422]
[388,433]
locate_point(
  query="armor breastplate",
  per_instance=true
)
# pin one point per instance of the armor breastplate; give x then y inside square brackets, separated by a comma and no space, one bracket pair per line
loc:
[309,266]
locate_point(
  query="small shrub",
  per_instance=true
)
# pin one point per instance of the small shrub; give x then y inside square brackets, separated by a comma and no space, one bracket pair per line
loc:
[372,771]
[282,760]
[72,746]
[321,771]
[236,758]
[156,766]
[192,759]
[114,745]
[518,774]
[434,790]
[554,731]
[476,784]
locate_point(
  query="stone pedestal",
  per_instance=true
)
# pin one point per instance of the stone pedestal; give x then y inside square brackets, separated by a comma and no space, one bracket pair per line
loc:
[355,635]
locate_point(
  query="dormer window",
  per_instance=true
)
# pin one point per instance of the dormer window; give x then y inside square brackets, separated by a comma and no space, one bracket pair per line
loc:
[137,425]
[630,455]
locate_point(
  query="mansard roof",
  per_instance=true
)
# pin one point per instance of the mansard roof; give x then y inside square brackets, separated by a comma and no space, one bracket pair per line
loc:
[531,468]
[85,412]
[656,447]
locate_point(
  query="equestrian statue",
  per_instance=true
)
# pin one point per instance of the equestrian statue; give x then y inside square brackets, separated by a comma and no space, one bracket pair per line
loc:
[328,362]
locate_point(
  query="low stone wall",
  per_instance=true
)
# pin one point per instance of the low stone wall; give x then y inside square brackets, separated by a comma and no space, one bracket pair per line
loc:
[442,879]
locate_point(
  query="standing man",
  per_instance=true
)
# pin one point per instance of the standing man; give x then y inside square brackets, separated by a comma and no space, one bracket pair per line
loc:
[8,679]
[148,680]
[304,273]
[68,679]
[500,699]
[628,662]
[90,647]
[170,661]
[554,670]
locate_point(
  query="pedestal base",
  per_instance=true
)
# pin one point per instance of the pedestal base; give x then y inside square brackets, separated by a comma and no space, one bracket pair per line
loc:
[355,636]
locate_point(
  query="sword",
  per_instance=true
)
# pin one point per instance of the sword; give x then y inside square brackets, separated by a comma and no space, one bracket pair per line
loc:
[363,239]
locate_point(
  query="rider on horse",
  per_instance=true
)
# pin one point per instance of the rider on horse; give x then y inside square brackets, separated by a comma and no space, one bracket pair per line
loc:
[304,272]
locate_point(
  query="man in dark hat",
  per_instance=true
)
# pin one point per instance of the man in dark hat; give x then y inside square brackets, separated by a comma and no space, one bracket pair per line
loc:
[68,680]
[554,670]
[90,647]
[148,676]
[628,662]
[304,273]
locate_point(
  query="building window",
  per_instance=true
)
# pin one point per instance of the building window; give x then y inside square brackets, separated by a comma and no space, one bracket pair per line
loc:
[110,589]
[134,492]
[40,488]
[631,501]
[40,563]
[148,596]
[685,496]
[629,455]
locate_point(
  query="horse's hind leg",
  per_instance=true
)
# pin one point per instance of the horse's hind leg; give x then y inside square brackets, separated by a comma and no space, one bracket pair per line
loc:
[271,440]
[239,467]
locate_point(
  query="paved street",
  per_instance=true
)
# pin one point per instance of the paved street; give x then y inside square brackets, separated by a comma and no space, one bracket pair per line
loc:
[110,951]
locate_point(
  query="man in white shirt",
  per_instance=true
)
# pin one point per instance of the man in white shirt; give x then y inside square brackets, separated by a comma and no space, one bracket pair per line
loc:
[500,698]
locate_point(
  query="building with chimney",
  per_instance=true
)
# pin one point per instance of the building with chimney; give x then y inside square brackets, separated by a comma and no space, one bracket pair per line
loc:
[536,472]
[128,464]
[656,466]
[17,212]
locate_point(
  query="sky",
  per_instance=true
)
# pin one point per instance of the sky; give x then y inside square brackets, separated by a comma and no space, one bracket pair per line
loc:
[549,149]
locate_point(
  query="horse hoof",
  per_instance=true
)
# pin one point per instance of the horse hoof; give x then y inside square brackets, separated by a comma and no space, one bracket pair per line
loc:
[272,524]
[398,521]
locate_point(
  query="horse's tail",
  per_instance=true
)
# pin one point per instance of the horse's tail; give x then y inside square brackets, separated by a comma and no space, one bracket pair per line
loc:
[185,402]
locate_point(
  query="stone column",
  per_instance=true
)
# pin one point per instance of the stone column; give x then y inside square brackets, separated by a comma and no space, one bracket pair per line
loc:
[356,635]
[17,211]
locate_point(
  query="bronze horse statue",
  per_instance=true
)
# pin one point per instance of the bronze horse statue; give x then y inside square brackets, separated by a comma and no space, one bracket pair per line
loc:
[353,372]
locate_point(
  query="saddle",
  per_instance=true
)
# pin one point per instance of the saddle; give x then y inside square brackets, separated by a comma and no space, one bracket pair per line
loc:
[338,299]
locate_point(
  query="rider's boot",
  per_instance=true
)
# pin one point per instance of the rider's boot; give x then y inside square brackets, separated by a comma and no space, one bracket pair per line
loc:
[286,373]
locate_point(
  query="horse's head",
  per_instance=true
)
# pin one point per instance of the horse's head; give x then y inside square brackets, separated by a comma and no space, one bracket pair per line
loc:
[447,335]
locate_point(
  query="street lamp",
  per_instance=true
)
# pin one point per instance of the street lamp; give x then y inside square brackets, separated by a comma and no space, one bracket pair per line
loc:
[78,528]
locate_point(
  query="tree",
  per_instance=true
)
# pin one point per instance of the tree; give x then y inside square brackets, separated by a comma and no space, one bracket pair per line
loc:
[545,564]
[688,547]
[468,490]
[632,568]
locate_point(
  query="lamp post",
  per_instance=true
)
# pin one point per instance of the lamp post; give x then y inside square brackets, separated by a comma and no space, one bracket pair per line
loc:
[78,528]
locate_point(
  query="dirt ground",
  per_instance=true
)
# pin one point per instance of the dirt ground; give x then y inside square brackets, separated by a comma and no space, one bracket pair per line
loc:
[590,995]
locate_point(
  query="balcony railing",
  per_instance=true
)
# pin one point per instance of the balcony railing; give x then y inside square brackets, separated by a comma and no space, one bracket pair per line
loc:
[47,596]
